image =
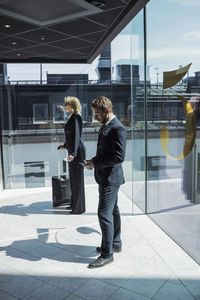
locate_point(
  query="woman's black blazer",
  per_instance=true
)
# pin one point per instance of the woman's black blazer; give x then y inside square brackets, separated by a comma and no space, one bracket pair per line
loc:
[73,136]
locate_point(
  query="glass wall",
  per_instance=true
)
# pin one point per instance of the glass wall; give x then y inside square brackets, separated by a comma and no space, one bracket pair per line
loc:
[127,57]
[173,193]
[33,117]
[1,167]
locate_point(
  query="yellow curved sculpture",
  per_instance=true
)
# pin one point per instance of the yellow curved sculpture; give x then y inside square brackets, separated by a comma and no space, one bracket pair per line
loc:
[170,79]
[190,134]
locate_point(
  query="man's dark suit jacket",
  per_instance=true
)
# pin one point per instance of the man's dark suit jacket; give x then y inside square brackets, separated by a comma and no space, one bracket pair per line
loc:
[73,141]
[110,154]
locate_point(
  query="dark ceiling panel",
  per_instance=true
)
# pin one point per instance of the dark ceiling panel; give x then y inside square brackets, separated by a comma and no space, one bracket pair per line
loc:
[106,17]
[93,37]
[16,26]
[43,12]
[86,50]
[2,35]
[16,55]
[40,10]
[3,49]
[43,35]
[68,31]
[14,42]
[42,49]
[71,43]
[65,54]
[78,27]
[107,4]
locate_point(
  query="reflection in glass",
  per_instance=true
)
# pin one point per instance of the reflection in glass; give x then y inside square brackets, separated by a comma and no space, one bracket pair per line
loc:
[40,113]
[173,199]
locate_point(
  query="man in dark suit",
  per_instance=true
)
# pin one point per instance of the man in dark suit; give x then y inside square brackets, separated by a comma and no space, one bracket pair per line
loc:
[108,172]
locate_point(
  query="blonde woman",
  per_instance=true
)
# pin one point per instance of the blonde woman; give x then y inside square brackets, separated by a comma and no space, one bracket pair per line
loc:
[76,153]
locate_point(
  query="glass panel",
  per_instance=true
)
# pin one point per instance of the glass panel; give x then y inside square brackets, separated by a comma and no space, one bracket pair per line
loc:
[138,118]
[1,167]
[127,51]
[173,168]
[33,118]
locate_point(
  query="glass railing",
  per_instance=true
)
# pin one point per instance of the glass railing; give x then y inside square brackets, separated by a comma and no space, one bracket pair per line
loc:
[30,153]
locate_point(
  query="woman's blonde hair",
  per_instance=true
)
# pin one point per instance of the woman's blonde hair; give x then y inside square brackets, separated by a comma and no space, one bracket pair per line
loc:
[74,103]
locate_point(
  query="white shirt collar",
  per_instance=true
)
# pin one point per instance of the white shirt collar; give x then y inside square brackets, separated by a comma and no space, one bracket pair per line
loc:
[110,120]
[69,116]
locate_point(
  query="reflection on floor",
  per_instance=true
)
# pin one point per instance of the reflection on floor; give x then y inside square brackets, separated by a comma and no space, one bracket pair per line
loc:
[44,253]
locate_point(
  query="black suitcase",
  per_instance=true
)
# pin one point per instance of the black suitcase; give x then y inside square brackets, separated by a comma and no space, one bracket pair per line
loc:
[61,190]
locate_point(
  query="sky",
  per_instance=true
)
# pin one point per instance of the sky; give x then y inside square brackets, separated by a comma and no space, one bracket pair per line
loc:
[32,71]
[173,35]
[173,39]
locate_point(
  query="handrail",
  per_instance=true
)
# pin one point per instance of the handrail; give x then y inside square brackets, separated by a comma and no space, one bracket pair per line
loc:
[57,82]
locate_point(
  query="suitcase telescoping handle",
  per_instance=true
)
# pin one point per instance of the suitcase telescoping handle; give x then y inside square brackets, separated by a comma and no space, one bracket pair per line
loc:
[65,168]
[59,169]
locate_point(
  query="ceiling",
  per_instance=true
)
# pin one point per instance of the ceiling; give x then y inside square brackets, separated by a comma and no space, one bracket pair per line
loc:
[61,31]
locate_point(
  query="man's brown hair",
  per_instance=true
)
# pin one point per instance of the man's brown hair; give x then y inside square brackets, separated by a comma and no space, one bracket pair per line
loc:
[101,103]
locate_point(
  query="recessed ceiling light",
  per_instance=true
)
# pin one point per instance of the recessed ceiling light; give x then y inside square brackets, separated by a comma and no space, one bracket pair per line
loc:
[7,26]
[98,3]
[18,54]
[43,38]
[14,43]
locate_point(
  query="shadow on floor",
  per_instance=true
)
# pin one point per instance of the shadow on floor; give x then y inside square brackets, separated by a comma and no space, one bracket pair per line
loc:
[38,248]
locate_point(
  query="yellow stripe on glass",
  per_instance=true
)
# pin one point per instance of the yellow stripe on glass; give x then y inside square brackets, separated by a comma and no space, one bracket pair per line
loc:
[170,79]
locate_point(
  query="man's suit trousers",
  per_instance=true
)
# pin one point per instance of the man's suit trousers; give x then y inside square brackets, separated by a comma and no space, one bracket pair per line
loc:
[109,219]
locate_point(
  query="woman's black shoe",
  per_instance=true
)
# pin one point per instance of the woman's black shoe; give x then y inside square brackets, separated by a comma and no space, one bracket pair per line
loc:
[75,213]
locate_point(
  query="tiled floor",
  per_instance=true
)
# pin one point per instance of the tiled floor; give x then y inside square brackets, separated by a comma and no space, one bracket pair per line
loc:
[44,254]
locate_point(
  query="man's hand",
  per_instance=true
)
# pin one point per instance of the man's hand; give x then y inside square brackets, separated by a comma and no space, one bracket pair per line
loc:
[89,164]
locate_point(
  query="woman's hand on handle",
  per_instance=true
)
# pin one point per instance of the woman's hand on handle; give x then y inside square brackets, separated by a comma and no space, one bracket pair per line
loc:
[70,158]
[61,147]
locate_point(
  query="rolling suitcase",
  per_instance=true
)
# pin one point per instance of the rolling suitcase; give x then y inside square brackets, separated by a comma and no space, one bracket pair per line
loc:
[61,189]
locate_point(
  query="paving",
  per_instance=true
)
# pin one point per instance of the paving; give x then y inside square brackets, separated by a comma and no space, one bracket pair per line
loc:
[44,253]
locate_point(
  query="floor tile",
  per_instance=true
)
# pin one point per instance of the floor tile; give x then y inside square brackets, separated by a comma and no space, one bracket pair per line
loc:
[74,297]
[5,296]
[192,284]
[95,288]
[47,292]
[45,251]
[157,267]
[113,275]
[69,284]
[7,273]
[127,295]
[173,292]
[144,284]
[21,286]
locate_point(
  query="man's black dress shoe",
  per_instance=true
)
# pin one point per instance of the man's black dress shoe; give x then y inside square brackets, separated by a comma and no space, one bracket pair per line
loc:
[100,262]
[116,250]
[69,207]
